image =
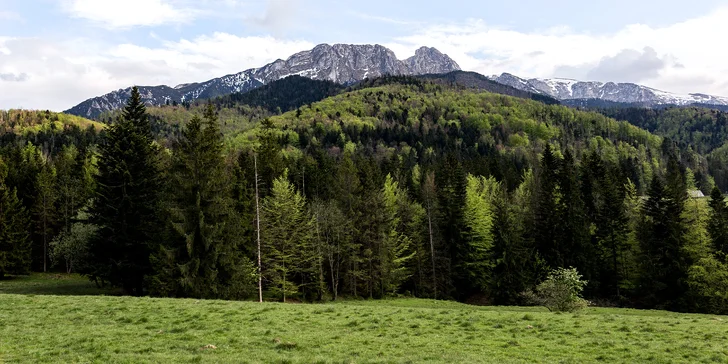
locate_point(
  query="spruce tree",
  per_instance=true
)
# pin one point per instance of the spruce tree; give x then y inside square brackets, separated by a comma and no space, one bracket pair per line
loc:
[207,260]
[15,246]
[289,262]
[663,260]
[479,217]
[572,249]
[546,221]
[398,240]
[126,205]
[451,182]
[45,209]
[718,223]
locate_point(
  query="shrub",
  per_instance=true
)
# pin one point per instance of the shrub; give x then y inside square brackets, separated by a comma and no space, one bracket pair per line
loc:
[72,247]
[561,291]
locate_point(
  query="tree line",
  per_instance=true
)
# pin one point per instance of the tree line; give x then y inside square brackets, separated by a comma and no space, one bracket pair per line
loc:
[332,218]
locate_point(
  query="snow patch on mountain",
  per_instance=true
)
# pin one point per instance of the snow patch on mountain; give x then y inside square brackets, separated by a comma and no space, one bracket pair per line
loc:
[341,63]
[568,89]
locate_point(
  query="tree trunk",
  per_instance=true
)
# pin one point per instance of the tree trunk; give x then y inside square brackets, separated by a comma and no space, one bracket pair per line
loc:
[432,250]
[257,221]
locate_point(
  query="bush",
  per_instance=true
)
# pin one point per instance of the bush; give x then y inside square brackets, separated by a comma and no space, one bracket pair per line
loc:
[71,247]
[708,282]
[561,291]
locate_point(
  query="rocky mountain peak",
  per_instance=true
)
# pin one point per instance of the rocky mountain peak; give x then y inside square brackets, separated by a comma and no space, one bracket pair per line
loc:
[341,63]
[430,61]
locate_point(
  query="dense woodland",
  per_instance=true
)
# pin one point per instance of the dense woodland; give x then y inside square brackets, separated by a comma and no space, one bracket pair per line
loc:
[398,186]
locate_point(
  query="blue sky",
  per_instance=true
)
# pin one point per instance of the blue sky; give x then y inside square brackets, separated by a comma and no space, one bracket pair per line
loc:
[57,53]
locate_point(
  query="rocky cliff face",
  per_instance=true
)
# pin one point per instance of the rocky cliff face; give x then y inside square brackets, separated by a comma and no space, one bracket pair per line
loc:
[341,63]
[566,89]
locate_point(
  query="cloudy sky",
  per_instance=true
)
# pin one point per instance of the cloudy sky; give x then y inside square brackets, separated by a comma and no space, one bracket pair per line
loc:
[57,53]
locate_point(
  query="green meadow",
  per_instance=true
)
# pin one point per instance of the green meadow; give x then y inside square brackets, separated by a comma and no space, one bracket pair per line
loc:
[58,318]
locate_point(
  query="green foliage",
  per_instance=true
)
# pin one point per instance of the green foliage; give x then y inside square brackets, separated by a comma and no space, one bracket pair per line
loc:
[561,291]
[203,258]
[284,95]
[708,282]
[287,229]
[402,218]
[718,223]
[71,247]
[15,249]
[126,205]
[662,243]
[26,122]
[479,217]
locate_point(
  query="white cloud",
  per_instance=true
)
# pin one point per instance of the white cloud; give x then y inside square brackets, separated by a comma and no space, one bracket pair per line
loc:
[117,14]
[40,74]
[694,60]
[280,15]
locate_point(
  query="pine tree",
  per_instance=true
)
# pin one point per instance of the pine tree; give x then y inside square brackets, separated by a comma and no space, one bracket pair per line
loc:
[663,260]
[207,258]
[347,190]
[15,247]
[396,250]
[270,163]
[479,217]
[126,205]
[451,181]
[288,258]
[718,223]
[546,220]
[45,209]
[573,248]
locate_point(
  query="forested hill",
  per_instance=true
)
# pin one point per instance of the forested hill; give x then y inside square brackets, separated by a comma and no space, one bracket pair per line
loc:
[283,95]
[51,130]
[702,132]
[476,81]
[395,186]
[33,121]
[497,135]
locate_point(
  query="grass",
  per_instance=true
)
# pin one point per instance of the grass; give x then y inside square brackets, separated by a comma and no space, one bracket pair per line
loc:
[50,328]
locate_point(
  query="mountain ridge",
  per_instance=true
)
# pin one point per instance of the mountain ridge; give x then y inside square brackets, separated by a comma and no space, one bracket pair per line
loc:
[623,92]
[341,63]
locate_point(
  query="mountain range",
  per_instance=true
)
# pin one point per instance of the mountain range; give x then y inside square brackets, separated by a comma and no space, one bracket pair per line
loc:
[347,64]
[626,93]
[341,63]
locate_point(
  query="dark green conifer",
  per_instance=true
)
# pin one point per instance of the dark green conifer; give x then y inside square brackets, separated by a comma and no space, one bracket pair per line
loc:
[126,205]
[718,223]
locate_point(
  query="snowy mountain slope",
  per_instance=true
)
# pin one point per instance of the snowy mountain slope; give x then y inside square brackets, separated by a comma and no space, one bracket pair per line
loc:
[567,89]
[341,63]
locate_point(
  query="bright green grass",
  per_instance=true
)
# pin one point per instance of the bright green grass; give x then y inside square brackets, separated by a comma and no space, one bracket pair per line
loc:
[47,328]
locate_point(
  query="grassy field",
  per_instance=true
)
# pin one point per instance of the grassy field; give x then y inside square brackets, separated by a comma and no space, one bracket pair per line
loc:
[38,324]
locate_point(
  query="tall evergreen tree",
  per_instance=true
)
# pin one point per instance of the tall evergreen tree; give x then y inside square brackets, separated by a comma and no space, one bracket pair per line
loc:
[205,252]
[270,162]
[718,223]
[288,254]
[126,205]
[663,259]
[451,181]
[479,217]
[397,243]
[45,209]
[572,249]
[15,248]
[546,220]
